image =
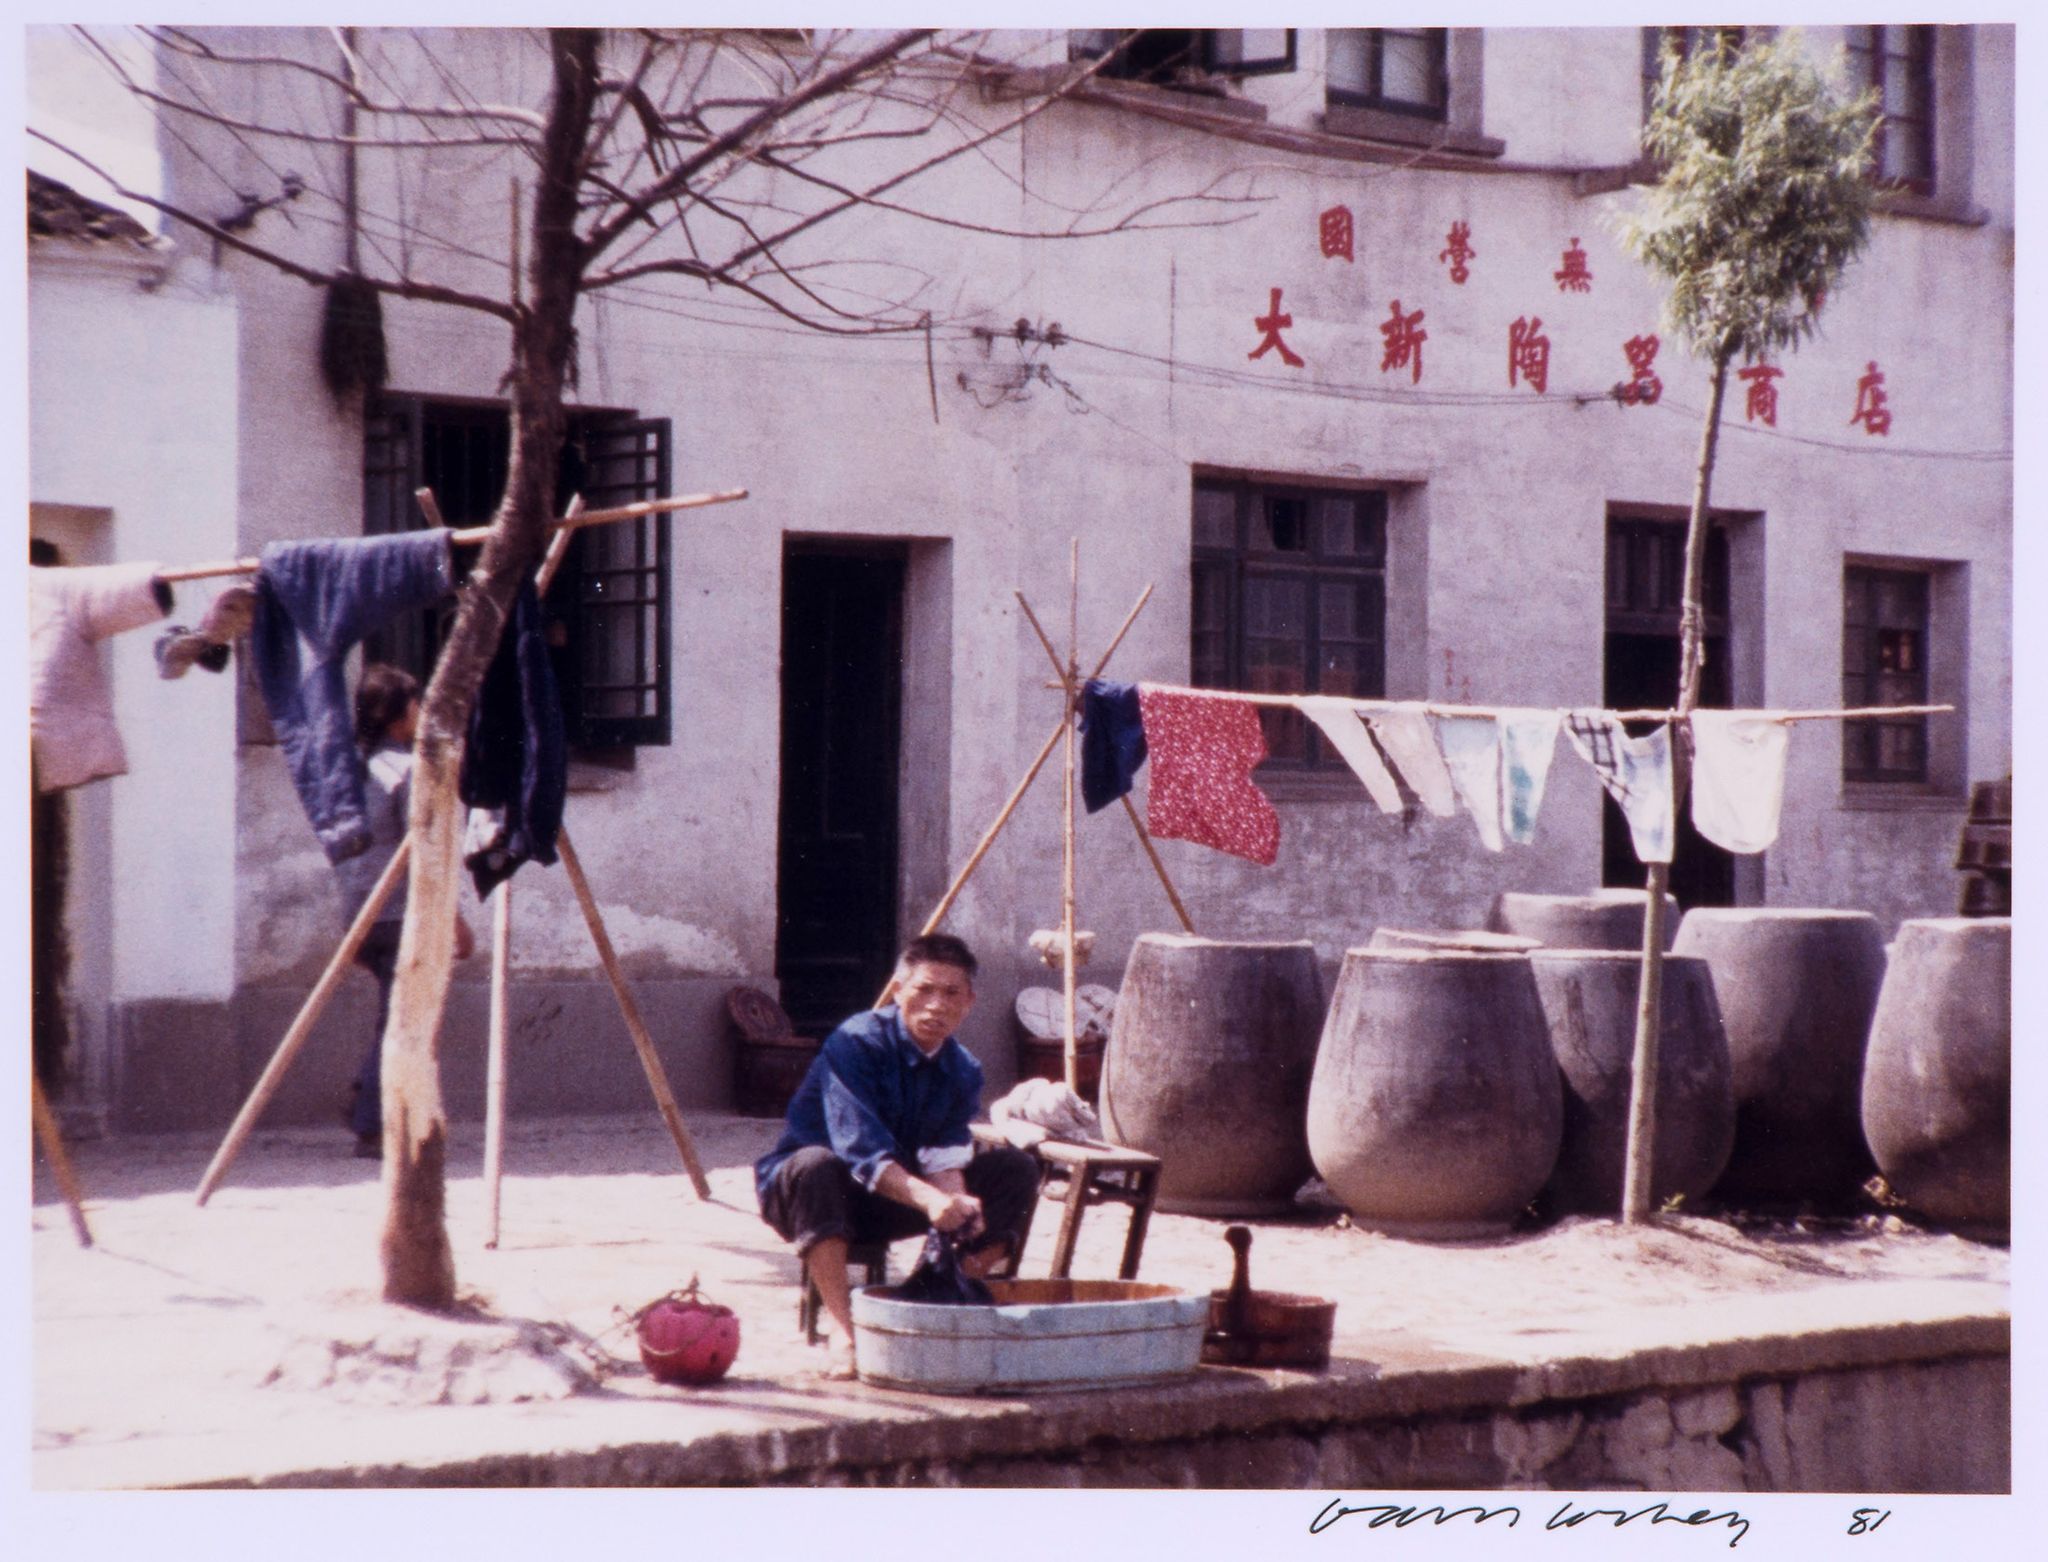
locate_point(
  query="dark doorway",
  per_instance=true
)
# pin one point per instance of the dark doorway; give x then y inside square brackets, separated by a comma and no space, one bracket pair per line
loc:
[1645,586]
[842,681]
[49,850]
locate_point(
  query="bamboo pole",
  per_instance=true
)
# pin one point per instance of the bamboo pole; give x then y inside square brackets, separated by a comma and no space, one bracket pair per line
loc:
[1130,812]
[494,1078]
[302,1027]
[52,1140]
[501,942]
[471,536]
[988,837]
[1071,673]
[650,1060]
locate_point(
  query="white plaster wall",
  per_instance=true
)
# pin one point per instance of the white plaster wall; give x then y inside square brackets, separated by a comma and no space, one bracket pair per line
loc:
[1509,491]
[132,407]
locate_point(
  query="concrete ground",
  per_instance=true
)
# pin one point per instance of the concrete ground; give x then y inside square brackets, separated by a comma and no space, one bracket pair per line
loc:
[243,1343]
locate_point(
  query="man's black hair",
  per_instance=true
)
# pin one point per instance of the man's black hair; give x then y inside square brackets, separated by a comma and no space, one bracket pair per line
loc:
[938,949]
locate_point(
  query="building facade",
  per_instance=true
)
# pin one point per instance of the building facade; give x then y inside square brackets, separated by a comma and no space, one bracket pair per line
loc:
[1344,361]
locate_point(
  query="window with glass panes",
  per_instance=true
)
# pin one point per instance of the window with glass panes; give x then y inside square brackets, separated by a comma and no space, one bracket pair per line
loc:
[1167,55]
[1884,662]
[1899,63]
[1290,598]
[608,610]
[1400,69]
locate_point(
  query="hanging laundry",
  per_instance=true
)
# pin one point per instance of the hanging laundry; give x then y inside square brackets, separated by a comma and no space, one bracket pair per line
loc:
[1636,773]
[72,735]
[1738,778]
[1528,739]
[1471,749]
[1112,741]
[1203,750]
[1338,721]
[227,618]
[314,600]
[516,760]
[1404,732]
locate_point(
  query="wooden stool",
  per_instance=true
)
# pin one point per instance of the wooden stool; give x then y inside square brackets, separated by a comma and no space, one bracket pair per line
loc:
[873,1256]
[1092,1174]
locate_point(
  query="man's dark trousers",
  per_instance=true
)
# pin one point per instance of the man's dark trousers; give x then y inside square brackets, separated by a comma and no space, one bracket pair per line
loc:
[813,1196]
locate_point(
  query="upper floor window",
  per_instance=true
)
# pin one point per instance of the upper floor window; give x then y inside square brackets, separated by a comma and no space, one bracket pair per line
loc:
[1657,41]
[1899,63]
[1885,623]
[1289,598]
[1402,69]
[1174,55]
[608,609]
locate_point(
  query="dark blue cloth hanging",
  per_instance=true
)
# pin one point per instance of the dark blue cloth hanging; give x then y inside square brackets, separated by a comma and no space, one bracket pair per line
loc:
[517,755]
[1112,741]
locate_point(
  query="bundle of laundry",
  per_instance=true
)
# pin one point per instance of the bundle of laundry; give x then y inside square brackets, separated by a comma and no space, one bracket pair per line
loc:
[515,764]
[72,736]
[1039,1109]
[227,618]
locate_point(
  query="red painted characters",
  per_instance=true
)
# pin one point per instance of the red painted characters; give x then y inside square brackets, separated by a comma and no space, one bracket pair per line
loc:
[1871,410]
[1334,231]
[1404,338]
[1574,278]
[1529,354]
[1761,404]
[1272,323]
[1458,249]
[1642,387]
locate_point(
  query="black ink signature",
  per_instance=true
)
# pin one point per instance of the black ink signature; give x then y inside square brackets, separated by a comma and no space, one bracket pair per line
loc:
[1401,1517]
[1568,1517]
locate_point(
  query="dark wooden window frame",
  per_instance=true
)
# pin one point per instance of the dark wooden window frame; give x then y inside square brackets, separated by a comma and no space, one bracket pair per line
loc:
[1869,47]
[1374,95]
[1163,65]
[1225,569]
[611,457]
[1876,649]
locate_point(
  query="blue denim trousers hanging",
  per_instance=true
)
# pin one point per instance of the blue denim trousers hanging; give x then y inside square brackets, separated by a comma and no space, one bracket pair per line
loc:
[1112,741]
[314,600]
[517,756]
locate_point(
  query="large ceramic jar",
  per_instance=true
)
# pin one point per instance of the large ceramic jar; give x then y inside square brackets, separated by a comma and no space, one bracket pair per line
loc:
[1605,919]
[1436,1108]
[1589,1004]
[1208,1068]
[1937,1083]
[1797,989]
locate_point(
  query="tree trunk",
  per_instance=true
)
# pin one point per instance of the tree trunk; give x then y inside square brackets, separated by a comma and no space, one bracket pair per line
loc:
[1642,1105]
[419,1268]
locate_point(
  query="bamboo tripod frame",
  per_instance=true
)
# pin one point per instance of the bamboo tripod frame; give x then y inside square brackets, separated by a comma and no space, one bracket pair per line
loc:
[1068,670]
[323,991]
[52,1141]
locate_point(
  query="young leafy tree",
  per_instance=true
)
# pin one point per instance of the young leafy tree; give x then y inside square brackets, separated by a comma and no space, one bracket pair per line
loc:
[701,158]
[1763,203]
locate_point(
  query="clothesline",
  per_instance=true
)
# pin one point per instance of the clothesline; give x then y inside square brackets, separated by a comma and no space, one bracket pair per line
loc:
[1433,708]
[470,536]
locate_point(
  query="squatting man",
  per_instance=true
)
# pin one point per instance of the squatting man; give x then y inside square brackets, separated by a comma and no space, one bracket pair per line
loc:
[877,1145]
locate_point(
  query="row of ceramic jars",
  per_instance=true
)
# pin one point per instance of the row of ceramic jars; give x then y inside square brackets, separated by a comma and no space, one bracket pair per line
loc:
[1455,1077]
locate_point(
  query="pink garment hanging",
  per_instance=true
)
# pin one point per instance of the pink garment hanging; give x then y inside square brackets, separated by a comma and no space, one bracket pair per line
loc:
[1202,754]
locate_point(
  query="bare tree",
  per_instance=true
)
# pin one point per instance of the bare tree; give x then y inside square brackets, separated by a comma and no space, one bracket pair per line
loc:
[705,158]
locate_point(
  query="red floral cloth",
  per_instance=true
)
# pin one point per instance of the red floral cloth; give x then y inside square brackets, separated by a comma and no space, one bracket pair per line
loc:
[1203,751]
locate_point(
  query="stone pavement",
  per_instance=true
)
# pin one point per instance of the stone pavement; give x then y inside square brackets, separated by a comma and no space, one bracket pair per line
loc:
[244,1344]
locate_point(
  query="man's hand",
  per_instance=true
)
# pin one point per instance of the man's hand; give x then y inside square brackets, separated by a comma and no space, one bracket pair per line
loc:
[959,1213]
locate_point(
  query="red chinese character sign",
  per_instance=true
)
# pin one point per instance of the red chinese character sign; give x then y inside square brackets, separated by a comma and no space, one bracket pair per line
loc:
[1335,232]
[1871,410]
[1458,249]
[1761,404]
[1529,354]
[1574,278]
[1273,322]
[1404,338]
[1642,388]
